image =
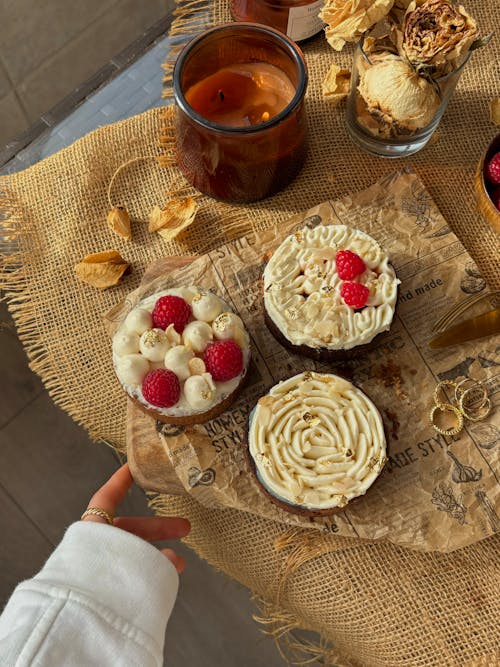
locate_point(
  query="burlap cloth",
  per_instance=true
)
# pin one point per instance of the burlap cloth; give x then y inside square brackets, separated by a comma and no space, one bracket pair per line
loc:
[378,604]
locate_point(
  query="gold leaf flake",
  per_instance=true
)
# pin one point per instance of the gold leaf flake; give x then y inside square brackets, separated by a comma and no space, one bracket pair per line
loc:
[310,419]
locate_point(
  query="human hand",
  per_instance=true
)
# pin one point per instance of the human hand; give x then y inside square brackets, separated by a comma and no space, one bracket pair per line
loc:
[152,529]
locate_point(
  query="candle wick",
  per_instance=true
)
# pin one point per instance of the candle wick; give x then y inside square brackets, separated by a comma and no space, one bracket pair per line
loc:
[221,95]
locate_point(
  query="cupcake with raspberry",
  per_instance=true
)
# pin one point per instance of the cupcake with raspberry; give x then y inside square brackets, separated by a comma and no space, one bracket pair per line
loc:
[329,291]
[315,443]
[181,355]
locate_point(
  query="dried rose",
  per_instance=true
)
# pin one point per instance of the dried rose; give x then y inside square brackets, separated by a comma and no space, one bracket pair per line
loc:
[102,269]
[436,34]
[173,218]
[347,20]
[336,84]
[397,99]
[119,221]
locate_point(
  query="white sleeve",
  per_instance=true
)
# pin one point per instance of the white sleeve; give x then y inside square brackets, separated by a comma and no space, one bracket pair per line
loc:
[103,598]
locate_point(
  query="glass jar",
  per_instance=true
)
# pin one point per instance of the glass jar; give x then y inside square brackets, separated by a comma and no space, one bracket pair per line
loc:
[371,127]
[298,19]
[243,163]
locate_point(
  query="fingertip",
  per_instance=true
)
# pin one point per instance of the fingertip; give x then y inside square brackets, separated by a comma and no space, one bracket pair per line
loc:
[177,561]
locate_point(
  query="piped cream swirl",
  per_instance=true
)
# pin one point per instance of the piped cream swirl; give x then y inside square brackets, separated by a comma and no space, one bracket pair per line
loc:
[317,441]
[302,289]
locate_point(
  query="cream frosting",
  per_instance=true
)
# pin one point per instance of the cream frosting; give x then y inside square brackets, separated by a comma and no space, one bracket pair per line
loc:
[132,368]
[302,289]
[317,441]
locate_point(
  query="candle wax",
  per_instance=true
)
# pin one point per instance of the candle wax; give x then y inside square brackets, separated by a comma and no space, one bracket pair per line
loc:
[241,95]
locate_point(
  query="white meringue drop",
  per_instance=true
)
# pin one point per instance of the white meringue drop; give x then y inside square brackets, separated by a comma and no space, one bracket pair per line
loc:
[198,393]
[225,326]
[197,335]
[131,369]
[154,344]
[206,306]
[125,342]
[138,320]
[177,360]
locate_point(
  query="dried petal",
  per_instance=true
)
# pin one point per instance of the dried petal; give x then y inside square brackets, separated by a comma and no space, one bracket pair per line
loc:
[436,34]
[119,221]
[336,84]
[495,111]
[174,218]
[347,20]
[102,269]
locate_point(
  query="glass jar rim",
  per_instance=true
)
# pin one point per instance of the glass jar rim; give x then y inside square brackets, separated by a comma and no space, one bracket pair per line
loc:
[290,46]
[436,80]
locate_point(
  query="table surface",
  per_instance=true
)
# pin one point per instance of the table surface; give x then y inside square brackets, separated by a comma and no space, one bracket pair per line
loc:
[128,85]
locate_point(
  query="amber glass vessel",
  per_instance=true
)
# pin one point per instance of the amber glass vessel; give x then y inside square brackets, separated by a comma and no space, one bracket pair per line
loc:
[247,163]
[298,19]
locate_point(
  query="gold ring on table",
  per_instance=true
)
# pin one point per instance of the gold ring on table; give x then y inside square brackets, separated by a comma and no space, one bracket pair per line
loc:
[474,398]
[439,387]
[447,407]
[486,404]
[97,511]
[475,383]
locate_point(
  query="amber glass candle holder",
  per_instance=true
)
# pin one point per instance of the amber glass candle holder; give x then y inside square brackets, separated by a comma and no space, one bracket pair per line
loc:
[298,19]
[244,163]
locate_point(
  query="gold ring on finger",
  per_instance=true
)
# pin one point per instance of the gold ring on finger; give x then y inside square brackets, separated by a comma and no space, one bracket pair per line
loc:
[447,407]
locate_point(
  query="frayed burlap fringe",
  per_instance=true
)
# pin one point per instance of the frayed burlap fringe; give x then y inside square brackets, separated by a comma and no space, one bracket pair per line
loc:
[285,630]
[191,17]
[14,284]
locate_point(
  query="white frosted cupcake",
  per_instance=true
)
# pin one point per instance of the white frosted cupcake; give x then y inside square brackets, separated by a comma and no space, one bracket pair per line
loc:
[182,355]
[315,442]
[328,291]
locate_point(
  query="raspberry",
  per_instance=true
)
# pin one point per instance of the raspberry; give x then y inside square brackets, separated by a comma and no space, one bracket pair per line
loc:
[354,294]
[224,360]
[493,169]
[171,310]
[349,265]
[161,388]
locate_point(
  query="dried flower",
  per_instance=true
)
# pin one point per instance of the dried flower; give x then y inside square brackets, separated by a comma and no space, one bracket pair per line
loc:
[397,98]
[336,85]
[102,269]
[173,218]
[119,221]
[436,35]
[347,20]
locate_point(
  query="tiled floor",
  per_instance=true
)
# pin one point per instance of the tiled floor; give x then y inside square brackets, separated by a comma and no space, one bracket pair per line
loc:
[49,48]
[48,470]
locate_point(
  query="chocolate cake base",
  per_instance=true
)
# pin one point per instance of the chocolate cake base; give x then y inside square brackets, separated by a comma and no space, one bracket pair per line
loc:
[319,353]
[198,418]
